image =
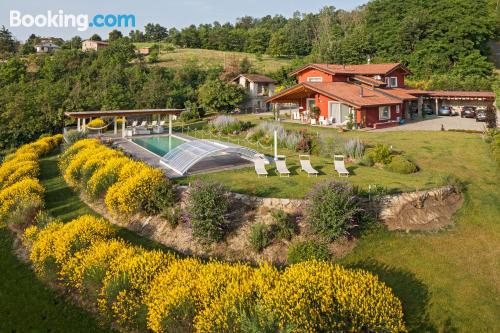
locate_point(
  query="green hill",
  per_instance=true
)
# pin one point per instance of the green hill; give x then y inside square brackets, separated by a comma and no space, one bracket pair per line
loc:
[209,58]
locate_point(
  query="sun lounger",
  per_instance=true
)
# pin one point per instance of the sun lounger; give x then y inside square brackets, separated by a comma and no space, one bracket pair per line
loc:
[305,165]
[281,166]
[162,123]
[338,161]
[134,123]
[260,167]
[154,123]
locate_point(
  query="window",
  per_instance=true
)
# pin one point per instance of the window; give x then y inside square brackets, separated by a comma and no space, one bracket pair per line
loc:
[394,81]
[391,82]
[397,109]
[384,112]
[315,79]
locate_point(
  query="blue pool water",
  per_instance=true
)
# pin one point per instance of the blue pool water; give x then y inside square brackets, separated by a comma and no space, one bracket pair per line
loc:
[160,145]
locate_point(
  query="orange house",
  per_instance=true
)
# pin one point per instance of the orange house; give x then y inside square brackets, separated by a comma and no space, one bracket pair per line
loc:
[371,93]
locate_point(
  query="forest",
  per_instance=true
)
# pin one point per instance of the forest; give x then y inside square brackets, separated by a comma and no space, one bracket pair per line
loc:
[444,43]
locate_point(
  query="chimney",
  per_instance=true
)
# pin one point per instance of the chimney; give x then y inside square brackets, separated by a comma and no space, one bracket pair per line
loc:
[368,60]
[360,91]
[343,65]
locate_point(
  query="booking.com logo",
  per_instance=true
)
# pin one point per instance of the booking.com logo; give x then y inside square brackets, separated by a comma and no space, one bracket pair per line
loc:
[61,20]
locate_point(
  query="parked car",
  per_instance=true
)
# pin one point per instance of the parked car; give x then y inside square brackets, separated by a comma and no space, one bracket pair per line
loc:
[427,109]
[445,111]
[468,112]
[481,115]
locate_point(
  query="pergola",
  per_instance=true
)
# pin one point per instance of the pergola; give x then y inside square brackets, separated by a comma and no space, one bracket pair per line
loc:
[82,116]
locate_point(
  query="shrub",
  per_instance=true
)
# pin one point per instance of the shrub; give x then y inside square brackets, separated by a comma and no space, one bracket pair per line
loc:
[96,123]
[332,209]
[105,176]
[24,190]
[85,271]
[25,213]
[354,148]
[305,294]
[380,154]
[206,206]
[401,164]
[228,124]
[126,284]
[147,190]
[284,227]
[173,216]
[189,115]
[59,244]
[74,136]
[260,236]
[14,170]
[456,183]
[367,160]
[307,250]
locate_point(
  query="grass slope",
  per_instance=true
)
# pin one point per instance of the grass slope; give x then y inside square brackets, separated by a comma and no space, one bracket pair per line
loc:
[210,58]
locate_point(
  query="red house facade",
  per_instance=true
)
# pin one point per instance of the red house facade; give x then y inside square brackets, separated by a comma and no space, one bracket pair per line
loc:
[373,95]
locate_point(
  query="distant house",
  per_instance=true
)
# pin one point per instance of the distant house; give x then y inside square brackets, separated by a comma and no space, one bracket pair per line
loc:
[258,88]
[46,47]
[93,45]
[372,95]
[143,50]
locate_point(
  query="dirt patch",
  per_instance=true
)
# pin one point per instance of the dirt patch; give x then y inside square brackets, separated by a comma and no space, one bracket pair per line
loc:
[421,211]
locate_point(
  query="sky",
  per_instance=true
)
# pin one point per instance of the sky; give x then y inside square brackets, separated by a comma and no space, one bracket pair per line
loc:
[168,13]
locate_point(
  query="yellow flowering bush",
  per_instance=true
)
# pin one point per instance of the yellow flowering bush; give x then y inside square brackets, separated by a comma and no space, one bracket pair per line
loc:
[23,190]
[140,191]
[14,170]
[85,271]
[72,150]
[105,176]
[96,123]
[59,243]
[126,284]
[320,296]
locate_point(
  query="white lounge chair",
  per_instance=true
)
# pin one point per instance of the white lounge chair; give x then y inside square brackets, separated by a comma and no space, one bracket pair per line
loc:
[162,123]
[134,123]
[143,124]
[260,167]
[281,166]
[338,161]
[154,123]
[305,165]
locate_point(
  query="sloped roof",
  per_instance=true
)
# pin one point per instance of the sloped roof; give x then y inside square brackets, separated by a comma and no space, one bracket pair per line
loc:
[364,69]
[255,78]
[369,80]
[463,94]
[399,93]
[351,94]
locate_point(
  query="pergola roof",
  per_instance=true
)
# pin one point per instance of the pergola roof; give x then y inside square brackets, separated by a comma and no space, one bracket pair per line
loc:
[123,113]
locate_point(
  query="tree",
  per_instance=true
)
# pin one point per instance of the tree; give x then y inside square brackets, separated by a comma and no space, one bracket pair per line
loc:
[7,43]
[473,64]
[95,37]
[155,32]
[136,36]
[219,96]
[27,49]
[114,35]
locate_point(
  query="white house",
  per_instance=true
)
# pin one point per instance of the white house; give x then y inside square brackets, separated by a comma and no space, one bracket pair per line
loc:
[258,88]
[46,47]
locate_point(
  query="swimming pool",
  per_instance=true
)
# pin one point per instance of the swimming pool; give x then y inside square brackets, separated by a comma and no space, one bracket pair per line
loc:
[160,145]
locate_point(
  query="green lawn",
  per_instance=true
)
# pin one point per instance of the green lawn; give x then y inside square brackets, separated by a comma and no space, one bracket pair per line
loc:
[211,58]
[448,280]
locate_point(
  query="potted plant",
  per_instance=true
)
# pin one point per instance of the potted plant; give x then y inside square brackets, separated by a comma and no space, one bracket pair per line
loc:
[316,112]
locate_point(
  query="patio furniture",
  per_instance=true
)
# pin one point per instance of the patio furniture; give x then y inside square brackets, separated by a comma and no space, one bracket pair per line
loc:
[313,121]
[139,130]
[281,166]
[154,123]
[143,124]
[162,123]
[260,167]
[323,121]
[158,129]
[338,161]
[305,165]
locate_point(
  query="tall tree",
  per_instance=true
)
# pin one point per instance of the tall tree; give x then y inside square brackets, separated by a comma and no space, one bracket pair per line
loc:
[7,42]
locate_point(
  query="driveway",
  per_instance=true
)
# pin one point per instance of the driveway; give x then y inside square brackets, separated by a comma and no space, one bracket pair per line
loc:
[434,123]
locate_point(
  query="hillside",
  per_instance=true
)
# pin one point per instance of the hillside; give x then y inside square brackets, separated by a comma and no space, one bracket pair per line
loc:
[210,58]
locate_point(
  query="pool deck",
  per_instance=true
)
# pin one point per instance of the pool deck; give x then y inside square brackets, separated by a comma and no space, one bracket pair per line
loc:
[212,164]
